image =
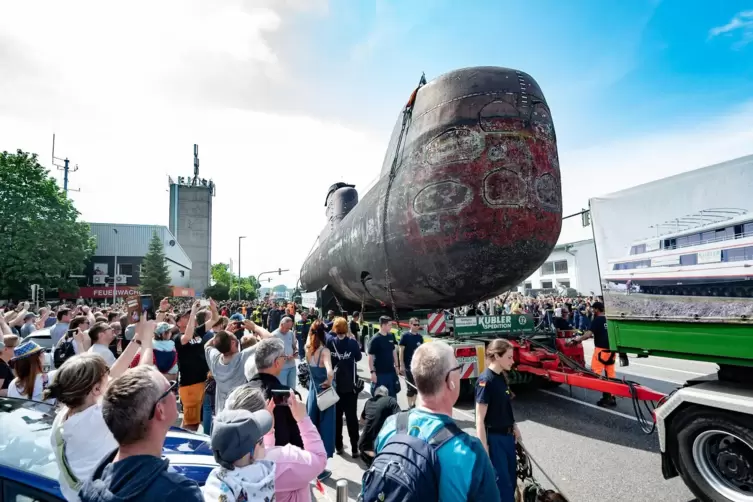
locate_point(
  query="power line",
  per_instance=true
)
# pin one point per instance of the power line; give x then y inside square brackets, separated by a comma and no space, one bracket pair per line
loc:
[65,167]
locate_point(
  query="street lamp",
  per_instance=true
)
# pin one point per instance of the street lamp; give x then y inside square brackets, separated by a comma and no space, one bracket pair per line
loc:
[115,272]
[239,266]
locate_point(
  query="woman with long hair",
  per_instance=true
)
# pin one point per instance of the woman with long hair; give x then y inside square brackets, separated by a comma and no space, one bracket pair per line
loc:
[495,422]
[10,342]
[346,355]
[80,437]
[321,375]
[31,379]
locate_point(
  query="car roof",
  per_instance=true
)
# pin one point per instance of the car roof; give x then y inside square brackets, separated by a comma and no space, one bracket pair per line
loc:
[40,333]
[26,448]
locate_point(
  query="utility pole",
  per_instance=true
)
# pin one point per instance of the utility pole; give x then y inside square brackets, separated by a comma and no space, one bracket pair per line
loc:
[65,167]
[239,266]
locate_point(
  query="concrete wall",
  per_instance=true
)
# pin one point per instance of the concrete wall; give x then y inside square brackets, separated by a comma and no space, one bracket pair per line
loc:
[191,223]
[582,272]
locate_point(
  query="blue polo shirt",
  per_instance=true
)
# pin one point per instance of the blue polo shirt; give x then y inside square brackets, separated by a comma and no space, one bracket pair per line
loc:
[467,472]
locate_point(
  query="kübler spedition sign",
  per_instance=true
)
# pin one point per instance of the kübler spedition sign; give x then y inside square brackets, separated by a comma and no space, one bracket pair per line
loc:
[487,325]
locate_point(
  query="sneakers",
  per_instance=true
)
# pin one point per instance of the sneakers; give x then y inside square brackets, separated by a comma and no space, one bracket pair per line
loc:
[324,475]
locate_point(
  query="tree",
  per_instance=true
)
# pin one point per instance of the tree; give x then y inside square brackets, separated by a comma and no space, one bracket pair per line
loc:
[41,241]
[155,277]
[226,284]
[221,274]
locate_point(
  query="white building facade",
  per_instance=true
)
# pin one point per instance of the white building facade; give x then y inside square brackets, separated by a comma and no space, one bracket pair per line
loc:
[571,265]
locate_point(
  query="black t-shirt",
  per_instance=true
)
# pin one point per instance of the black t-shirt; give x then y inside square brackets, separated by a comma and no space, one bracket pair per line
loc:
[381,348]
[286,428]
[411,342]
[192,363]
[6,375]
[375,411]
[355,328]
[599,329]
[492,390]
[345,354]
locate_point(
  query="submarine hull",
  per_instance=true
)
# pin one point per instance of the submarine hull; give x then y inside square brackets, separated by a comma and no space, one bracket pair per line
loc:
[474,205]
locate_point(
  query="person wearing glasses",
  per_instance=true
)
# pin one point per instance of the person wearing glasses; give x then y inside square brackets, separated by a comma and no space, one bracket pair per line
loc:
[139,407]
[467,473]
[409,342]
[80,437]
[495,422]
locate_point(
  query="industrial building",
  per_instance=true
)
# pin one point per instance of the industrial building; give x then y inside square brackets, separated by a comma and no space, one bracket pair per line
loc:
[570,265]
[120,251]
[191,222]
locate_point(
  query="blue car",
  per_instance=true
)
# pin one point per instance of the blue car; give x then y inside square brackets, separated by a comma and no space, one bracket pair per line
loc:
[29,472]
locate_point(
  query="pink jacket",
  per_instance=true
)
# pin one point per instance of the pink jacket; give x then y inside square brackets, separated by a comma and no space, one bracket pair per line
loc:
[296,468]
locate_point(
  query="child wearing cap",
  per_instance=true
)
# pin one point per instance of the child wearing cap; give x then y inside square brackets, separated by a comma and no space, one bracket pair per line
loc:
[165,356]
[238,447]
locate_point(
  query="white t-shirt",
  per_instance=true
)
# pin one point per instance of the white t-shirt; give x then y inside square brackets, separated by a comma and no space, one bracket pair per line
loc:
[87,441]
[104,351]
[39,386]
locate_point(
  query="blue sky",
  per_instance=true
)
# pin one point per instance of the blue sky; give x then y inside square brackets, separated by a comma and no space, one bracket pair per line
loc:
[607,67]
[286,97]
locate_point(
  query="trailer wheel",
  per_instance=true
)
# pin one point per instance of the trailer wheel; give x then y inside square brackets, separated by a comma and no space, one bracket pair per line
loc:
[715,455]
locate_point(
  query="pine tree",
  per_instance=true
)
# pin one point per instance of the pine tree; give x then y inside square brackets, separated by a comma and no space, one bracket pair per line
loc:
[155,277]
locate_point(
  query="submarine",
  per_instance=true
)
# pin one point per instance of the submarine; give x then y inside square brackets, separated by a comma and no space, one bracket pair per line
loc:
[467,205]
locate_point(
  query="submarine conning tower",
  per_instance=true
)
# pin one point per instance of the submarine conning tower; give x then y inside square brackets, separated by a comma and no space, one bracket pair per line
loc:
[341,199]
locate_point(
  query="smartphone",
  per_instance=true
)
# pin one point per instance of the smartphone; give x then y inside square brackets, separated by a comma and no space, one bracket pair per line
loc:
[280,396]
[203,303]
[138,305]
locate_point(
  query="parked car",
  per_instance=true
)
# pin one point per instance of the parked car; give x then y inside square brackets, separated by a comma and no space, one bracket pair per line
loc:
[29,472]
[43,338]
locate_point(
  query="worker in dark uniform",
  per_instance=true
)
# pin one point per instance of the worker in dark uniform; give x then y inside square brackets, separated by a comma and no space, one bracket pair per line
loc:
[495,422]
[302,328]
[603,360]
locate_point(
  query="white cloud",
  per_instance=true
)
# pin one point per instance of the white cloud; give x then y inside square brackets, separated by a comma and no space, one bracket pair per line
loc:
[742,23]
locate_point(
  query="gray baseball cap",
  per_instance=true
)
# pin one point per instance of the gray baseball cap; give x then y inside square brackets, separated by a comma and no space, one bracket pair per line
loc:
[235,433]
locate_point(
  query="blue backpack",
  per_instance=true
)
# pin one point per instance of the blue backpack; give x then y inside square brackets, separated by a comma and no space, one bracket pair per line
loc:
[407,469]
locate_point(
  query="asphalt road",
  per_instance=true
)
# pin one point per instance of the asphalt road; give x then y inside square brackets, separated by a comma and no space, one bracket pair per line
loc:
[589,453]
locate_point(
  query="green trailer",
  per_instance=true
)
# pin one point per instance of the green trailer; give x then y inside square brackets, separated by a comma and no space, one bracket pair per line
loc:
[675,259]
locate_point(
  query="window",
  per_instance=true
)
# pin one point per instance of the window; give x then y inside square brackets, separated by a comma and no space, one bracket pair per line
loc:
[546,284]
[560,267]
[689,259]
[707,237]
[529,285]
[737,254]
[125,268]
[748,229]
[640,248]
[565,283]
[694,239]
[182,273]
[15,492]
[547,268]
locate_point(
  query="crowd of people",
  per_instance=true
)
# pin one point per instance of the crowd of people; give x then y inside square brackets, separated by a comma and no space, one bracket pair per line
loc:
[233,369]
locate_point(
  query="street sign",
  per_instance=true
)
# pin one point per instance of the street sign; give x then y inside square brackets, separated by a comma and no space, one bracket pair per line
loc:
[493,325]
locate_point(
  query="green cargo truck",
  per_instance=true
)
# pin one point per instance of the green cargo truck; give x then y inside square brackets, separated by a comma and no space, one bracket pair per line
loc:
[676,263]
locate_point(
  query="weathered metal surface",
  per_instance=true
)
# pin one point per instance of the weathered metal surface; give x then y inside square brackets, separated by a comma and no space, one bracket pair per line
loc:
[474,208]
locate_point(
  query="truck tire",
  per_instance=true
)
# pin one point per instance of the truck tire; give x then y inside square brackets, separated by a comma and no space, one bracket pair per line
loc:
[715,454]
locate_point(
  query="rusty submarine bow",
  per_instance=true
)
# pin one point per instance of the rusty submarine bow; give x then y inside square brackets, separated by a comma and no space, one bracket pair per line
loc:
[468,202]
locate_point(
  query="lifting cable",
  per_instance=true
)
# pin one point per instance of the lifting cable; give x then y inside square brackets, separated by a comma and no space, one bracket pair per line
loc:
[407,115]
[648,425]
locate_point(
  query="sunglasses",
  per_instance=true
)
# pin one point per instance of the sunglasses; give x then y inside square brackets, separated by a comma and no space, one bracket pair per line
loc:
[173,384]
[416,325]
[456,368]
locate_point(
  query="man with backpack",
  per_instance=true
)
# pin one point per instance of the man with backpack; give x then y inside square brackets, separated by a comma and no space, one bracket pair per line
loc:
[422,454]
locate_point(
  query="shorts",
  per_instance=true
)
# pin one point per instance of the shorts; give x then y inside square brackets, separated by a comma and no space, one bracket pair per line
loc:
[192,397]
[410,387]
[597,366]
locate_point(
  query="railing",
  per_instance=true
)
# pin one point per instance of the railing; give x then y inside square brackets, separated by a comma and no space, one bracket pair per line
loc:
[699,243]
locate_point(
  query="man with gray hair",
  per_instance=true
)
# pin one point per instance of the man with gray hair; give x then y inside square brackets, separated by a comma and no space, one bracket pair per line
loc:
[270,360]
[287,335]
[467,472]
[139,407]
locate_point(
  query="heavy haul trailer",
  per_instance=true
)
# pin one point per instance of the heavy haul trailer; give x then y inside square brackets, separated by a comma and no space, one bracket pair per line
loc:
[676,263]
